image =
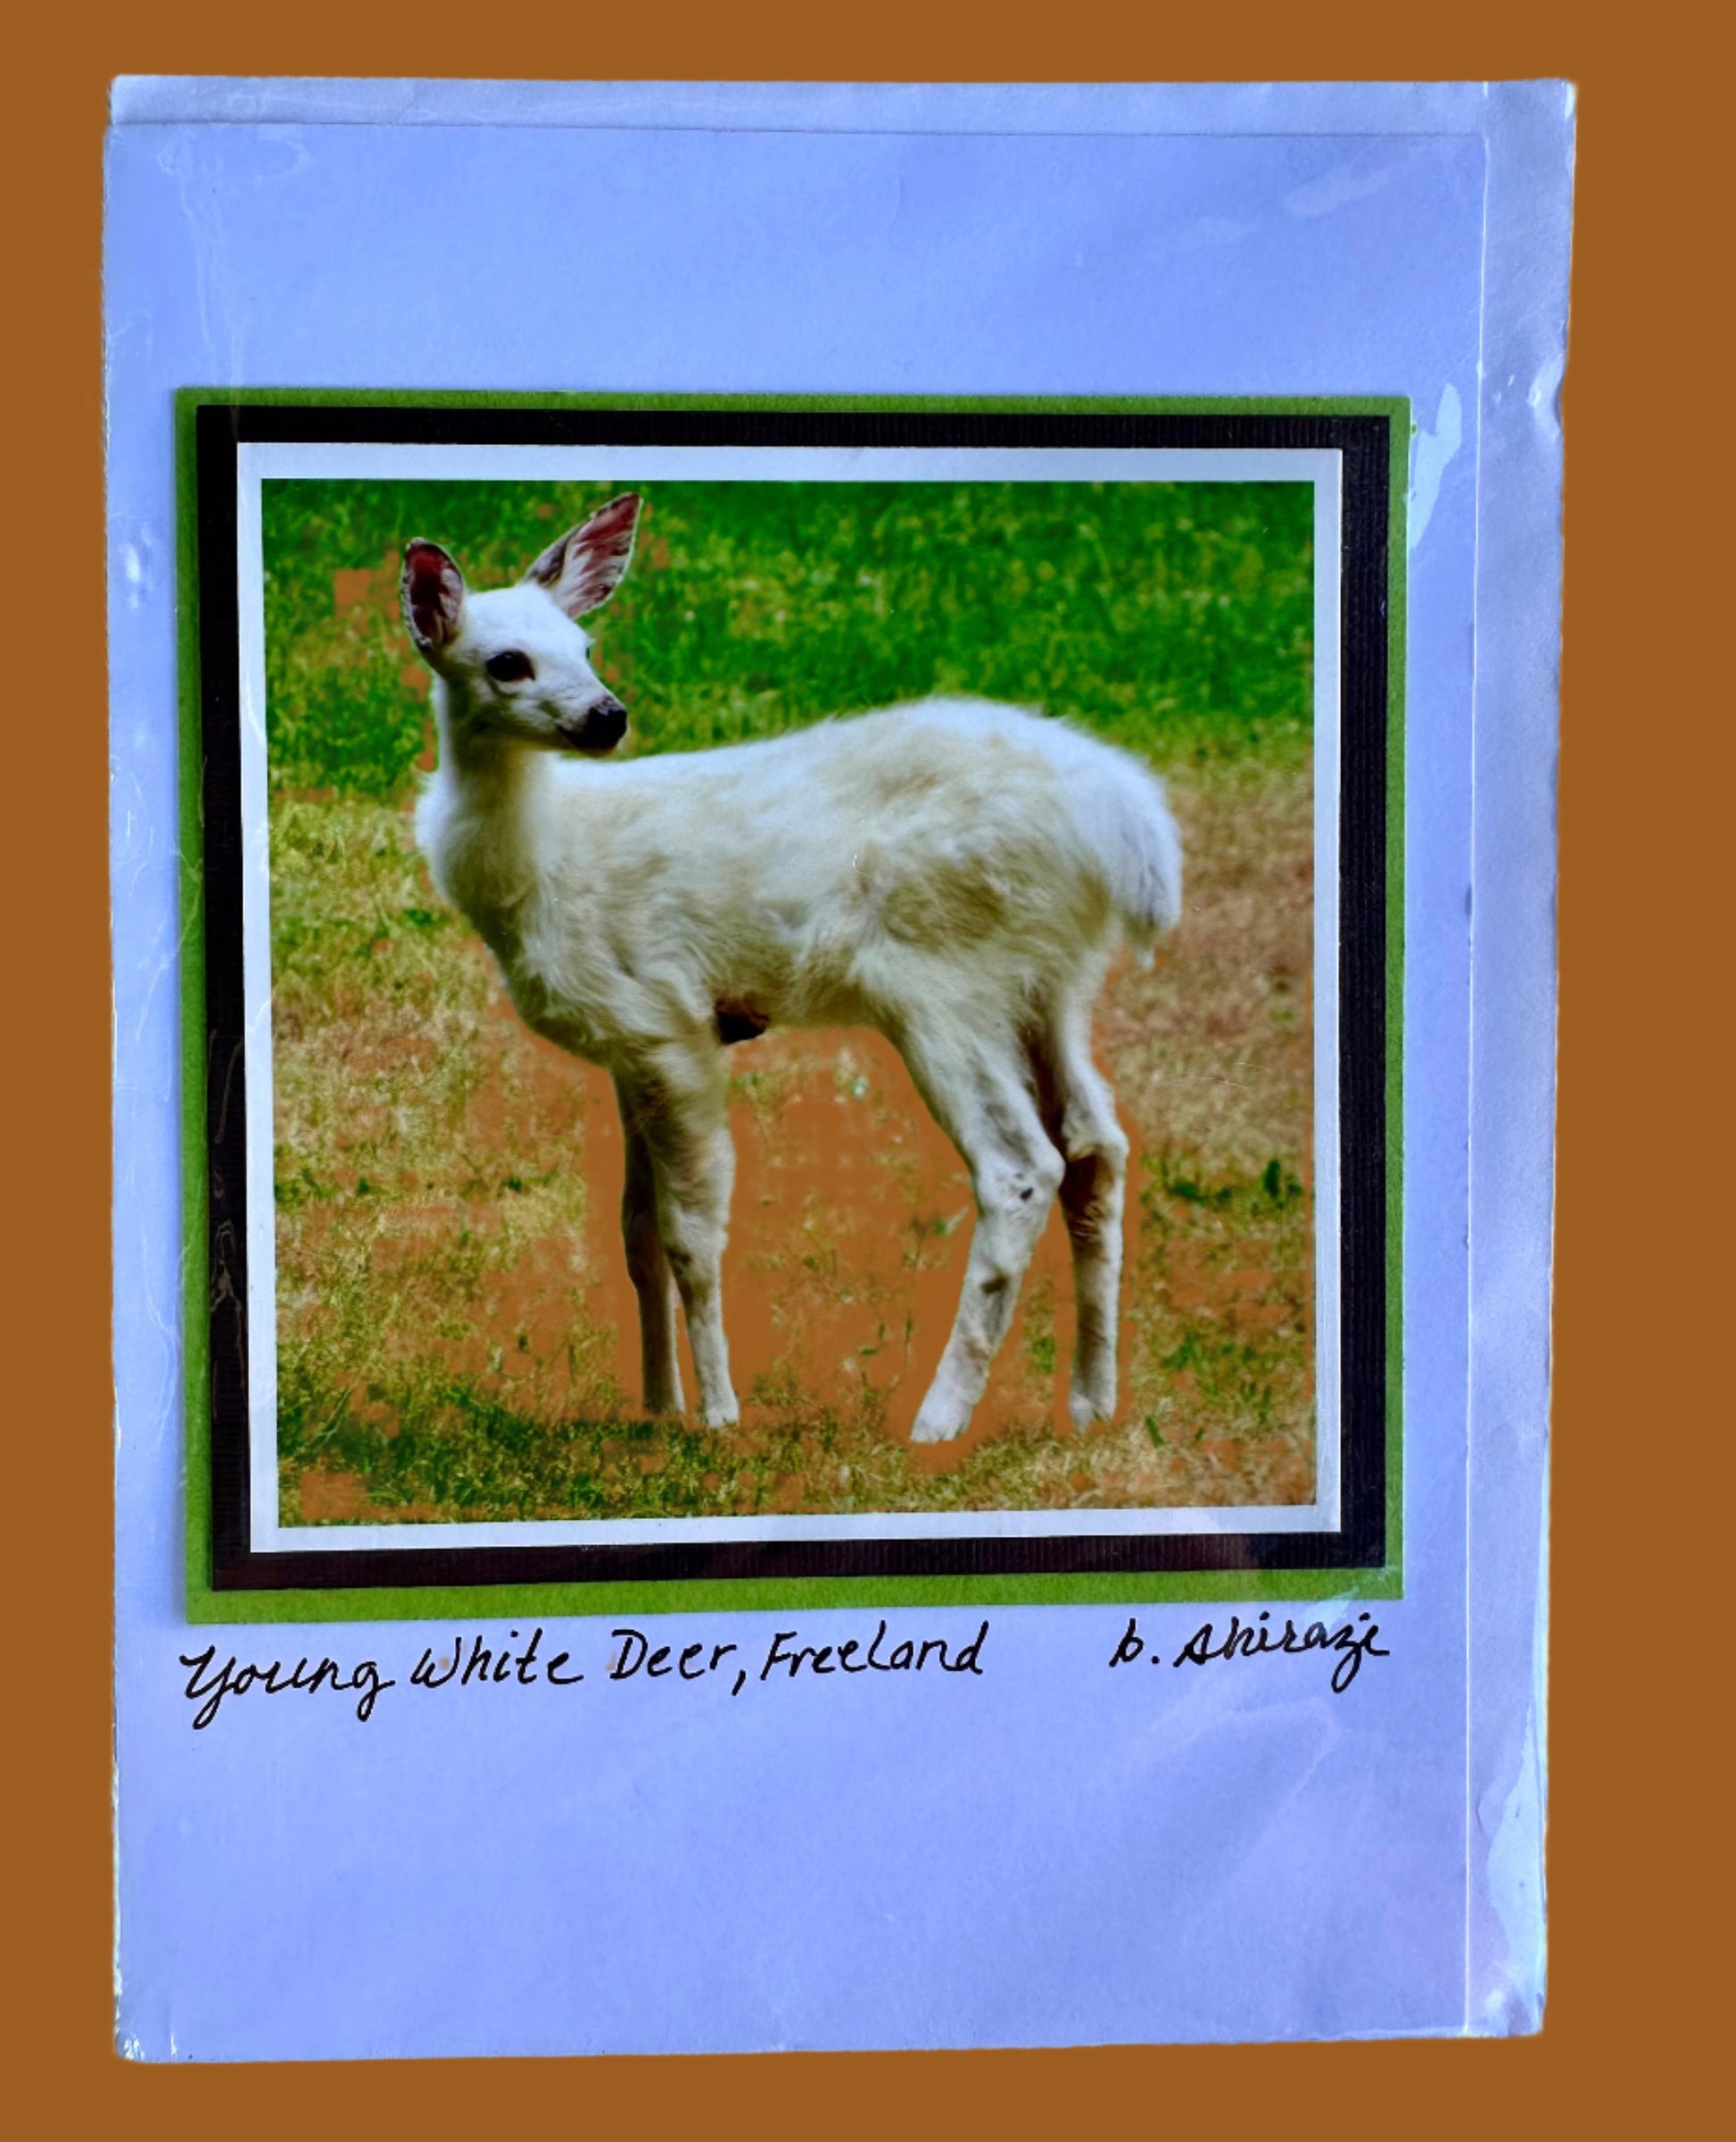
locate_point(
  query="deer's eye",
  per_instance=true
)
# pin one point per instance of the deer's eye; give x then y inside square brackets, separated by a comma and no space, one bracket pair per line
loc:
[510,667]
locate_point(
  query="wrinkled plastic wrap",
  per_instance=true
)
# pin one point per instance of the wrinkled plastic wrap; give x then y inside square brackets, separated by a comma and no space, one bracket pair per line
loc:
[1067,1857]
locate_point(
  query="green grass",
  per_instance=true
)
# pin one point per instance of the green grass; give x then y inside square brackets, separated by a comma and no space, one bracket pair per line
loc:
[1175,616]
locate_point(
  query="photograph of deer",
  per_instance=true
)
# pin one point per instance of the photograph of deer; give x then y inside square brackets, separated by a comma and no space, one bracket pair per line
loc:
[953,874]
[840,979]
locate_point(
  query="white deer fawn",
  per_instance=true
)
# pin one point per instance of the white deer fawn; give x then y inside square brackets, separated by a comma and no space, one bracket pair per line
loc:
[953,874]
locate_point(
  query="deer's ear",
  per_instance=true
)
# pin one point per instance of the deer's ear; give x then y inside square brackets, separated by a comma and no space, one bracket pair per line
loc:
[583,569]
[431,591]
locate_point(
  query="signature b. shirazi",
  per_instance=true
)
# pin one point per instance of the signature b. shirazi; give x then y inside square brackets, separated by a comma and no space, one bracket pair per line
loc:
[954,874]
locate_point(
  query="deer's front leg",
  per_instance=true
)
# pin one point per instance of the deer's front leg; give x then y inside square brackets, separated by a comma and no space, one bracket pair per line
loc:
[649,1269]
[679,1107]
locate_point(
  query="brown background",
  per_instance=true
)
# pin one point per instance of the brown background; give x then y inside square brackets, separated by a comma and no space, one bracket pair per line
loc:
[1639,1675]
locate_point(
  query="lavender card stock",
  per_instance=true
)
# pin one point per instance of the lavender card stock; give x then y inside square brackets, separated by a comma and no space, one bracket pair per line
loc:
[833,935]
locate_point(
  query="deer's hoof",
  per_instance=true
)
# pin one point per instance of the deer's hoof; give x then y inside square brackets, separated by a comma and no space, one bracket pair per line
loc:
[1090,1401]
[940,1423]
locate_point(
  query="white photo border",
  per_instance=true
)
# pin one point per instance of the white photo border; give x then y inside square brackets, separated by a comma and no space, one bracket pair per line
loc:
[625,466]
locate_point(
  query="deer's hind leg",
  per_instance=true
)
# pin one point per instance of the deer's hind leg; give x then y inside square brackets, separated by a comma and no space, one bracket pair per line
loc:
[1079,1114]
[978,1087]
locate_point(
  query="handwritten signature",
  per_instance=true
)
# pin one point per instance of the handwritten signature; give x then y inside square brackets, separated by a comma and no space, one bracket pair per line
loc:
[1349,1642]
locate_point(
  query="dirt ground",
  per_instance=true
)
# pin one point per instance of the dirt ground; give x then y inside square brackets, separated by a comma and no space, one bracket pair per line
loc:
[457,1334]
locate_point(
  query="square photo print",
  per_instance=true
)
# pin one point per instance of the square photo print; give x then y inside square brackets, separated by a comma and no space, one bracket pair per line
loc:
[796,1000]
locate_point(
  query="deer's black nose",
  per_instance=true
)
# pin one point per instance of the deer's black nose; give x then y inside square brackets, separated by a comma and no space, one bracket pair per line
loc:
[600,728]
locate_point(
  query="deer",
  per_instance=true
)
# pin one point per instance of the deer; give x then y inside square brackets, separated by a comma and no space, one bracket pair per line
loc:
[956,874]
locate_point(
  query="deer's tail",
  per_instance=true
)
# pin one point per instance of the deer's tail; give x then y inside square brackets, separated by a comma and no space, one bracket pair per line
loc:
[1135,840]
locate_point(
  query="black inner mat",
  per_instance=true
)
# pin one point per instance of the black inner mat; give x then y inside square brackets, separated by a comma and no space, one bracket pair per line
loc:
[1364,442]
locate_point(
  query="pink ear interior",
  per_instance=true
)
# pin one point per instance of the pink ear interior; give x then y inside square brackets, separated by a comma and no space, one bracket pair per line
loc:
[433,593]
[584,569]
[609,530]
